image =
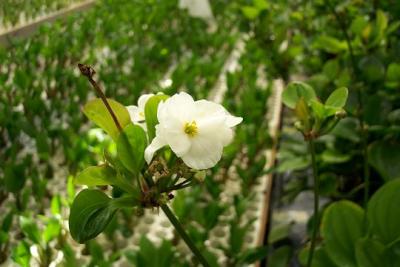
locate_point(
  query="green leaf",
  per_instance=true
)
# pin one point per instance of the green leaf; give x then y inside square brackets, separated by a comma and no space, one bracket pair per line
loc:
[393,76]
[14,178]
[320,259]
[55,205]
[21,254]
[52,230]
[7,222]
[91,212]
[96,175]
[331,69]
[302,112]
[261,4]
[378,32]
[318,109]
[130,147]
[254,255]
[330,44]
[342,226]
[250,12]
[370,253]
[338,98]
[30,229]
[150,111]
[280,257]
[384,156]
[372,68]
[383,212]
[296,90]
[97,112]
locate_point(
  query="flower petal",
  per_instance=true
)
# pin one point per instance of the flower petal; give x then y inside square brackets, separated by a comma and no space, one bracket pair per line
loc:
[179,108]
[157,143]
[204,153]
[178,141]
[143,100]
[133,112]
[232,121]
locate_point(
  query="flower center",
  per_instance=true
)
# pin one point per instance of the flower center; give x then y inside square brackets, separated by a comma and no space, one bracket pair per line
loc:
[190,128]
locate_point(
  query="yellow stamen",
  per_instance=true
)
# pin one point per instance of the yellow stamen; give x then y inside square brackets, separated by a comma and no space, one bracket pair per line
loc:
[190,128]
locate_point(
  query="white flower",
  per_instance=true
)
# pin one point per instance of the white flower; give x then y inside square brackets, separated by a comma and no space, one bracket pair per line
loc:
[196,131]
[137,112]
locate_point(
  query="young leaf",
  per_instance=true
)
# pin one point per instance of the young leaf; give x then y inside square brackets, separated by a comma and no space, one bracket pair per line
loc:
[96,175]
[338,98]
[342,226]
[30,229]
[294,91]
[130,147]
[318,109]
[52,230]
[382,212]
[91,212]
[150,111]
[21,254]
[330,44]
[97,112]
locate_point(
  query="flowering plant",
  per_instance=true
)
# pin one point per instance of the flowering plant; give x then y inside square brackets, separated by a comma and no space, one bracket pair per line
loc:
[164,144]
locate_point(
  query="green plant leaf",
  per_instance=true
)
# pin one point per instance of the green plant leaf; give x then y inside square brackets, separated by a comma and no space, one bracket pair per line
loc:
[250,12]
[338,98]
[370,253]
[97,112]
[384,156]
[383,212]
[52,230]
[296,90]
[372,68]
[330,44]
[21,254]
[14,178]
[91,212]
[342,226]
[318,109]
[96,175]
[393,76]
[130,147]
[150,111]
[253,255]
[280,257]
[321,258]
[30,229]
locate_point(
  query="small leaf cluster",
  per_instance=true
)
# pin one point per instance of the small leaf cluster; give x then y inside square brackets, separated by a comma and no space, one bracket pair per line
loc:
[314,118]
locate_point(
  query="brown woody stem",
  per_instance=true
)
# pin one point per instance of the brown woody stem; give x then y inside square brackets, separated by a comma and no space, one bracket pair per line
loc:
[88,72]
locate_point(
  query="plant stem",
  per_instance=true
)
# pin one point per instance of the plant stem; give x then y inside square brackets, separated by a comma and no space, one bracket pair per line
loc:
[179,228]
[316,202]
[364,135]
[88,72]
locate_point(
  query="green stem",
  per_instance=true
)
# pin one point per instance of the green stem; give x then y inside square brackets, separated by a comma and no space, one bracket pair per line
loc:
[179,228]
[364,135]
[316,202]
